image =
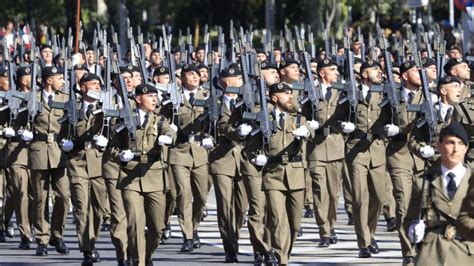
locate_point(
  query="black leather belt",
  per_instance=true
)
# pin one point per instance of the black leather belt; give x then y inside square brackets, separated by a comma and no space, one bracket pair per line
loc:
[45,137]
[284,159]
[183,138]
[325,131]
[400,138]
[145,158]
[358,134]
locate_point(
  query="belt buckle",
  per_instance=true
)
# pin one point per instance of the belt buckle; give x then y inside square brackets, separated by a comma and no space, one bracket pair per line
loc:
[87,145]
[191,138]
[450,232]
[285,159]
[51,138]
[143,158]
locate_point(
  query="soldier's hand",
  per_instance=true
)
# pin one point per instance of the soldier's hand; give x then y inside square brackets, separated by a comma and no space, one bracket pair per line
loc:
[313,124]
[101,141]
[244,129]
[67,145]
[174,127]
[26,135]
[8,132]
[392,130]
[347,127]
[126,156]
[164,140]
[427,152]
[207,143]
[416,231]
[260,160]
[301,132]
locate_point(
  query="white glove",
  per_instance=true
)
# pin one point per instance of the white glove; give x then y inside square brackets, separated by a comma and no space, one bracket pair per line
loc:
[67,145]
[164,140]
[427,151]
[392,130]
[313,124]
[348,127]
[8,132]
[260,160]
[301,132]
[101,141]
[416,231]
[207,143]
[26,135]
[244,129]
[126,156]
[174,127]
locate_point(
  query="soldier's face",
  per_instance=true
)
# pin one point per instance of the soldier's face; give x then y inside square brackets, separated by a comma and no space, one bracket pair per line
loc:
[162,79]
[4,83]
[283,100]
[412,76]
[47,55]
[232,81]
[291,73]
[93,85]
[431,73]
[137,79]
[25,83]
[155,59]
[147,102]
[462,71]
[454,54]
[90,56]
[190,79]
[204,74]
[451,92]
[452,151]
[356,47]
[200,55]
[270,76]
[127,78]
[277,55]
[261,57]
[57,82]
[314,67]
[329,74]
[373,75]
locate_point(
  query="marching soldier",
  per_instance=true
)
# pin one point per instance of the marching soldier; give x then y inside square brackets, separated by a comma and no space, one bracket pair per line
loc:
[458,67]
[142,181]
[290,73]
[85,170]
[446,187]
[465,222]
[18,174]
[47,162]
[224,166]
[326,152]
[365,155]
[189,160]
[270,73]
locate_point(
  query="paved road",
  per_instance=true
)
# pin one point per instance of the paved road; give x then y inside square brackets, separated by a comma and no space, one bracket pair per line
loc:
[305,250]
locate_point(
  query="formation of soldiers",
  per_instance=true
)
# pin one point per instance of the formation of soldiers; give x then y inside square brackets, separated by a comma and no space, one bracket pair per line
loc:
[278,131]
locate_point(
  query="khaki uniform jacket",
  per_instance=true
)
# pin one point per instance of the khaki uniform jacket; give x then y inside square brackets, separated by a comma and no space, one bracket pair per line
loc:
[139,174]
[225,157]
[442,211]
[366,145]
[44,155]
[85,160]
[4,120]
[398,154]
[464,114]
[187,152]
[465,224]
[278,175]
[328,142]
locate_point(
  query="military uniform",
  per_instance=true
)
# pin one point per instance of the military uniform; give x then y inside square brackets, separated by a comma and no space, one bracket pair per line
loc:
[85,172]
[231,199]
[143,186]
[189,165]
[465,222]
[48,166]
[442,244]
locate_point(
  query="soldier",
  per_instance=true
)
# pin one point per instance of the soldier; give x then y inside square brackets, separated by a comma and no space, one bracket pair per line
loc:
[261,55]
[85,171]
[401,161]
[365,156]
[326,152]
[446,187]
[224,164]
[465,222]
[203,73]
[47,162]
[46,55]
[200,55]
[270,73]
[283,173]
[155,62]
[142,182]
[189,160]
[431,72]
[18,173]
[459,68]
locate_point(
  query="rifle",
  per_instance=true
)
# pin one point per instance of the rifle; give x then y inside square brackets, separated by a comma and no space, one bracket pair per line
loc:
[440,50]
[262,117]
[327,48]
[232,35]
[107,93]
[128,119]
[310,91]
[33,105]
[352,95]
[360,36]
[391,90]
